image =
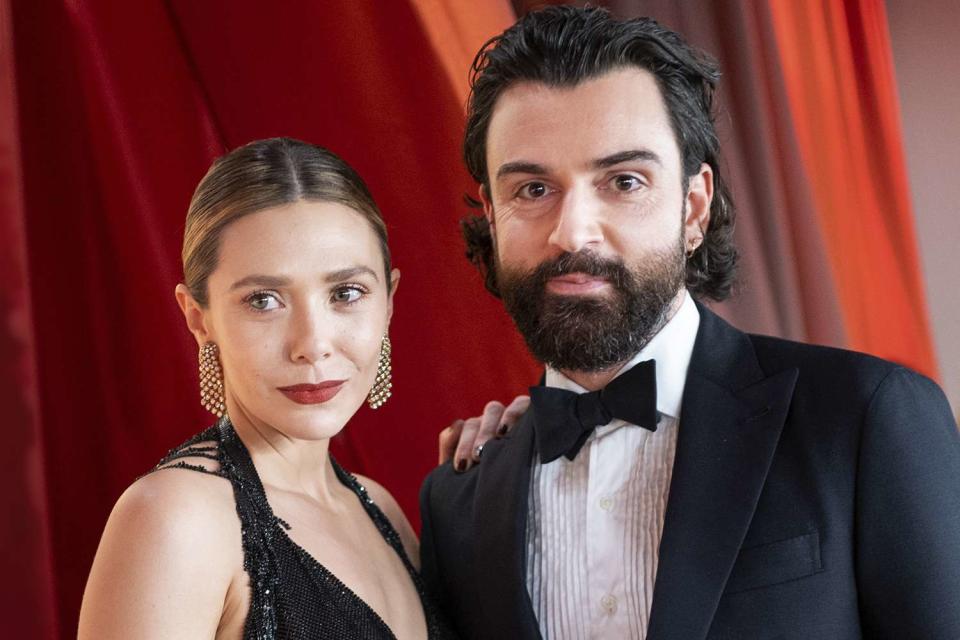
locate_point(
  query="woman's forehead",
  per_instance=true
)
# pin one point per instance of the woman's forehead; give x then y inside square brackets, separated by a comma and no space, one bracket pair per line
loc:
[301,238]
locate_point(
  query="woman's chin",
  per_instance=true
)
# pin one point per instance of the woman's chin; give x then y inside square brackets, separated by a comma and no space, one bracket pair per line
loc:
[314,422]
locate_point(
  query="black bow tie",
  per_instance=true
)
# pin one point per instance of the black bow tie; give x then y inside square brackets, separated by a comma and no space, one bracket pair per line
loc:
[565,419]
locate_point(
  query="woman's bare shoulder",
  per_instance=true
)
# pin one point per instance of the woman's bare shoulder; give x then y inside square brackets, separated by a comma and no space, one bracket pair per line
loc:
[391,509]
[170,549]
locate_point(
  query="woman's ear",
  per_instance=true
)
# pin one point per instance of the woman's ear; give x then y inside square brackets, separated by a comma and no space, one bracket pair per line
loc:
[193,313]
[394,283]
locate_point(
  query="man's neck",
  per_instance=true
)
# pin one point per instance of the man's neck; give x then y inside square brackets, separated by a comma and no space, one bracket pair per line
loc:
[593,380]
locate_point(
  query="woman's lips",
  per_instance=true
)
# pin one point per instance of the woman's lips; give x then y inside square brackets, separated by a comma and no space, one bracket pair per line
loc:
[313,393]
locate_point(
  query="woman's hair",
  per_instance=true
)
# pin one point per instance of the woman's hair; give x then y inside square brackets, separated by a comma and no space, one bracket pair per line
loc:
[562,46]
[261,175]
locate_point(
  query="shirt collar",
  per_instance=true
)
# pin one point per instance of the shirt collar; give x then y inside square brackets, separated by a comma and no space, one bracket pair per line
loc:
[672,348]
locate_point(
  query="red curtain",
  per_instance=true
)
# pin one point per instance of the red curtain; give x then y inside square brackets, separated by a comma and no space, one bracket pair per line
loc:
[25,526]
[122,106]
[111,112]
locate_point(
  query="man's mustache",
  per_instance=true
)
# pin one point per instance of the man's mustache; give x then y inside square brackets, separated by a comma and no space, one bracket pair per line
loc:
[585,262]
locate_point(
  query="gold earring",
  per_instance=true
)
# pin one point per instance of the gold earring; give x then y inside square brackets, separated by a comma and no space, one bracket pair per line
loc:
[382,385]
[211,380]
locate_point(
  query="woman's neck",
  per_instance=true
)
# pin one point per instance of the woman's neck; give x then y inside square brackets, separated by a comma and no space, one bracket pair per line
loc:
[285,463]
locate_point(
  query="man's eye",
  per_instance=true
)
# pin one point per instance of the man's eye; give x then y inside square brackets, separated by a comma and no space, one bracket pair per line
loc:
[533,190]
[347,294]
[626,183]
[263,301]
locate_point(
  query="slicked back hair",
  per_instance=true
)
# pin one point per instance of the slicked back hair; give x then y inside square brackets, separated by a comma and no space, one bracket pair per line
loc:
[260,175]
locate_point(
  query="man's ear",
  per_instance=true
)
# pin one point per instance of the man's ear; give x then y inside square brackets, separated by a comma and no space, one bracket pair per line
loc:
[699,196]
[484,193]
[194,314]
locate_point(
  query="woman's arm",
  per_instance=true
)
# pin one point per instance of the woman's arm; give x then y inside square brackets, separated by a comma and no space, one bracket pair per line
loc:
[165,562]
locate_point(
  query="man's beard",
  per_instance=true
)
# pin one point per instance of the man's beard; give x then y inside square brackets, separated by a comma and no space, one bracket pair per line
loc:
[592,333]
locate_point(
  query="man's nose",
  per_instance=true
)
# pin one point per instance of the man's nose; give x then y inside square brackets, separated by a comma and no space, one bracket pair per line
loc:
[311,335]
[578,221]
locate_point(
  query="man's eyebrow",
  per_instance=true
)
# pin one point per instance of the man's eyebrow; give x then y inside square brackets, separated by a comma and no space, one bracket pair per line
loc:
[523,166]
[520,166]
[258,280]
[627,156]
[350,272]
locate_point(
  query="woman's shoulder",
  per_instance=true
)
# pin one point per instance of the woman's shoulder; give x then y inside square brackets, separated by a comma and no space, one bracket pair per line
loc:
[184,507]
[175,492]
[178,511]
[169,553]
[391,509]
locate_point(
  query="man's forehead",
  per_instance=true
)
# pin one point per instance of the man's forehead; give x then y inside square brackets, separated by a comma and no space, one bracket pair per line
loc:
[619,110]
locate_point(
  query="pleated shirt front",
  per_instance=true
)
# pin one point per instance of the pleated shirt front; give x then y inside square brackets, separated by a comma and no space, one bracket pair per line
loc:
[595,522]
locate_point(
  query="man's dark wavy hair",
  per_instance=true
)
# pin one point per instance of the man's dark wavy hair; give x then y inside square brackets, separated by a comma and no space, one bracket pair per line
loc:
[562,46]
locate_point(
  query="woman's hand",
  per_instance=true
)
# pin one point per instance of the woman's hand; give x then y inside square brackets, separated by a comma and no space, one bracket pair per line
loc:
[463,440]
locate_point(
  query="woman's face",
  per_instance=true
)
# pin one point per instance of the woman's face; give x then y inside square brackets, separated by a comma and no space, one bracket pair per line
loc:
[298,306]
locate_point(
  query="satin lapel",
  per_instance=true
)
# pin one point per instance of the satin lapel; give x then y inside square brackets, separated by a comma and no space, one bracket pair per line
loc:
[499,525]
[731,420]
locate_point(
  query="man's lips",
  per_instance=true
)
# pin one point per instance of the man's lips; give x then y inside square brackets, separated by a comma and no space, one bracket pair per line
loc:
[576,283]
[312,393]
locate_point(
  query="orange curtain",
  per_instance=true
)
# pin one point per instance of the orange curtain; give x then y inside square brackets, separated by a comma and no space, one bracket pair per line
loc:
[457,29]
[838,69]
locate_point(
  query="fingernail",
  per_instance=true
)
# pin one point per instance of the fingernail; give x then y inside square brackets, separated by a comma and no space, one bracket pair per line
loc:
[461,465]
[502,431]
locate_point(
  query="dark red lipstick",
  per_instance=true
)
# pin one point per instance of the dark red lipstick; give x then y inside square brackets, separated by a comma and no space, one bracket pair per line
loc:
[313,393]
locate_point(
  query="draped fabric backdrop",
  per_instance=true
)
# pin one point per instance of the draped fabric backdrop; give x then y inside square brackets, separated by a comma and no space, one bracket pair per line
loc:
[111,112]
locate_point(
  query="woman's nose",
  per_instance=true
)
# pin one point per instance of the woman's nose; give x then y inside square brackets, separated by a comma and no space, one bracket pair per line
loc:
[311,336]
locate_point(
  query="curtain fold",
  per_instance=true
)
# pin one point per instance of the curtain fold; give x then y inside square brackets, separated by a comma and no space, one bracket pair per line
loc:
[25,529]
[837,65]
[457,29]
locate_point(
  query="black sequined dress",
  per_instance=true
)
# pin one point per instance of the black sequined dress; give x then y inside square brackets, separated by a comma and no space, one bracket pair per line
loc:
[292,595]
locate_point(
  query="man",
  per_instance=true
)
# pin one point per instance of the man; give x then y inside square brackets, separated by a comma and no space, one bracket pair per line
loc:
[674,478]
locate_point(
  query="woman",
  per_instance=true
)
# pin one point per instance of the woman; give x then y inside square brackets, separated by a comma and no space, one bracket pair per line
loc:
[251,529]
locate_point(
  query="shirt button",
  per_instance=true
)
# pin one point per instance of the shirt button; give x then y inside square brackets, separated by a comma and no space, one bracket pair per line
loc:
[609,604]
[606,503]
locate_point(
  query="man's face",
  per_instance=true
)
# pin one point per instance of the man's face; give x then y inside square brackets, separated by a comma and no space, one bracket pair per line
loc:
[589,217]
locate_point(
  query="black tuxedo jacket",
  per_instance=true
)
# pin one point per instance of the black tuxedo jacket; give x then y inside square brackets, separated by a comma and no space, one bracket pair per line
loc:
[815,494]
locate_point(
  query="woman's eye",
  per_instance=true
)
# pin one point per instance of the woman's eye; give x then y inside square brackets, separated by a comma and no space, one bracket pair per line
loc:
[533,190]
[263,301]
[626,183]
[347,294]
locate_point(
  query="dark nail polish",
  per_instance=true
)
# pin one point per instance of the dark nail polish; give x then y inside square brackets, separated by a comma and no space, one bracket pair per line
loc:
[502,431]
[462,466]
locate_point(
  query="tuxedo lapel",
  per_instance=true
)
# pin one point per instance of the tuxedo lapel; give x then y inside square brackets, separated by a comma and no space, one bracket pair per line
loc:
[730,423]
[499,525]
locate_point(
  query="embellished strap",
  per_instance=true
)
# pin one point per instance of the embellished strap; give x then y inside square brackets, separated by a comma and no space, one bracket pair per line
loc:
[259,531]
[385,527]
[195,447]
[436,625]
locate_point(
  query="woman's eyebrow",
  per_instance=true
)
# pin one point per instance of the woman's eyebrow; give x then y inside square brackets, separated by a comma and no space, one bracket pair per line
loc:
[350,272]
[259,280]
